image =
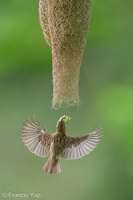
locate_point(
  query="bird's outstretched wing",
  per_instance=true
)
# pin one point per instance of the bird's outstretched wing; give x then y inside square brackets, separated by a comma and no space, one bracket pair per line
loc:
[77,147]
[36,138]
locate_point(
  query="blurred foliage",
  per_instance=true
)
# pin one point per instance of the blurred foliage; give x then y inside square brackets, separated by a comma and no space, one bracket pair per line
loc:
[106,91]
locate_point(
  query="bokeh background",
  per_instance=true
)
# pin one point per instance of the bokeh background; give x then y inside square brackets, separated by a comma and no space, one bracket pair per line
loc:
[106,92]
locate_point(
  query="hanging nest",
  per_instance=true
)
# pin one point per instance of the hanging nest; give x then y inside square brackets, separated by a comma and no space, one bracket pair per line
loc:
[65,26]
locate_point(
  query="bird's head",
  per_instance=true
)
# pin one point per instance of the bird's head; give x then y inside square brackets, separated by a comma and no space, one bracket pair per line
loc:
[61,126]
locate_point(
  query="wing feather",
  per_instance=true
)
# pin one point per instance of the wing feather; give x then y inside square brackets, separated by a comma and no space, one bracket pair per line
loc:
[77,147]
[36,138]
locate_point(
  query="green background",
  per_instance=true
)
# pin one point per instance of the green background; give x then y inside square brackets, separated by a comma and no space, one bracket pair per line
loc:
[106,92]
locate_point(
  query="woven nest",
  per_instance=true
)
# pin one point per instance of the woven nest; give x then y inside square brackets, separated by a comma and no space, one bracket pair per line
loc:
[65,26]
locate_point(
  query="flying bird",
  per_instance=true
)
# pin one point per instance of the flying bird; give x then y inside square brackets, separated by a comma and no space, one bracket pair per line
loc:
[58,144]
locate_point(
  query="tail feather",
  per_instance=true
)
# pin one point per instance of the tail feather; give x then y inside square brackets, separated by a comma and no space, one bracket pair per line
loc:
[52,166]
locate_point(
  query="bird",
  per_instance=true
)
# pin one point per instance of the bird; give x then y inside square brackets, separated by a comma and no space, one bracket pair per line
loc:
[58,144]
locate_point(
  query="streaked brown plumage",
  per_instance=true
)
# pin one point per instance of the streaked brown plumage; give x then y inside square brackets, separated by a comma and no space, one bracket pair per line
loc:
[39,142]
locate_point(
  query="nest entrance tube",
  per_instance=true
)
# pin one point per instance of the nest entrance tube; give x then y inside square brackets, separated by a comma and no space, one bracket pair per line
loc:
[65,26]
